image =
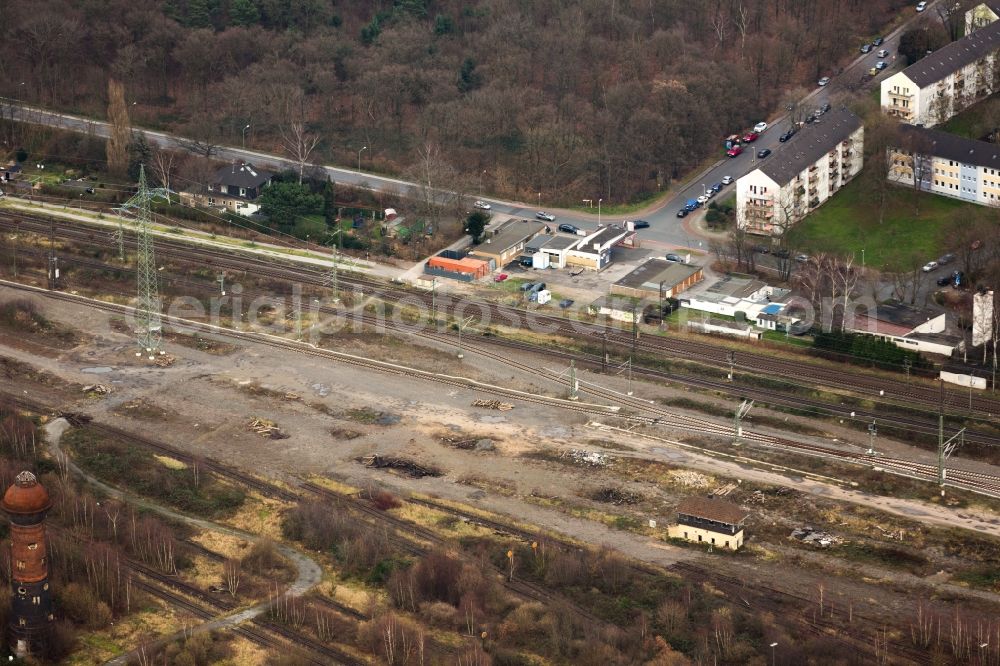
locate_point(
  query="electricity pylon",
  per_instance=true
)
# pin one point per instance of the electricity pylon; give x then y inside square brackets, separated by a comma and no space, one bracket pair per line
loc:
[148,325]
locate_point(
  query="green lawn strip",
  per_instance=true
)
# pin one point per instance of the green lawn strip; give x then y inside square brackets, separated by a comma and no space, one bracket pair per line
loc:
[848,223]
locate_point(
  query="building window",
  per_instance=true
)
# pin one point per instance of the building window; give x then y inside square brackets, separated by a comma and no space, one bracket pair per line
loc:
[727,543]
[32,546]
[45,586]
[36,600]
[21,591]
[243,192]
[699,537]
[685,535]
[20,565]
[211,201]
[21,621]
[713,541]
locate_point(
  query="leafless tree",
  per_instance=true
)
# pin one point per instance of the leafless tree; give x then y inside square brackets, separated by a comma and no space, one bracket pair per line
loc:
[299,144]
[163,166]
[232,572]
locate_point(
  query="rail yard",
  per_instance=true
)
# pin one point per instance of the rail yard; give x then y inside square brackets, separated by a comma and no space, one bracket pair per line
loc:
[562,421]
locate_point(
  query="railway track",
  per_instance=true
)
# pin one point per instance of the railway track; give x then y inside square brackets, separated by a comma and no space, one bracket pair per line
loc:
[855,381]
[773,602]
[927,427]
[957,478]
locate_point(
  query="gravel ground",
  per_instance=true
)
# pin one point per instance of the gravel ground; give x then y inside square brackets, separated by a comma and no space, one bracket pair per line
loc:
[334,414]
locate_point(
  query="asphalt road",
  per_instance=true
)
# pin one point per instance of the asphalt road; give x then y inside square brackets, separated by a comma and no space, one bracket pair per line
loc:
[666,228]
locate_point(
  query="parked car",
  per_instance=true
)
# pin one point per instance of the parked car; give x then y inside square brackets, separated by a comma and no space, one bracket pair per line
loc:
[761,249]
[537,287]
[810,119]
[825,107]
[735,151]
[823,81]
[883,53]
[929,266]
[873,71]
[878,41]
[881,64]
[944,280]
[818,112]
[921,6]
[781,253]
[750,137]
[526,262]
[726,180]
[866,48]
[692,204]
[945,259]
[500,277]
[640,224]
[761,154]
[786,136]
[802,258]
[565,303]
[703,199]
[568,228]
[674,257]
[682,212]
[482,205]
[542,215]
[527,286]
[760,127]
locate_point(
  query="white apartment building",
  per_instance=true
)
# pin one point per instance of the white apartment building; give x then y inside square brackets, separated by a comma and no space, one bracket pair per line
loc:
[946,164]
[815,163]
[981,15]
[936,87]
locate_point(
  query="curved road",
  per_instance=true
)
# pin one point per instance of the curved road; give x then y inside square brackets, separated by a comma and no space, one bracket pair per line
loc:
[666,227]
[309,573]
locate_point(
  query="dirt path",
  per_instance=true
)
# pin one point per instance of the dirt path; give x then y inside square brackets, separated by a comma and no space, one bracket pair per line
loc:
[309,573]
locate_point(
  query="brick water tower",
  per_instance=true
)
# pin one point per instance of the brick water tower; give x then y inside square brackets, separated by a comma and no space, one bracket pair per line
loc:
[26,502]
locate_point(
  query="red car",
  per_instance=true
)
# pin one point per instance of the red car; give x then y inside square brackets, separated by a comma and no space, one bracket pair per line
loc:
[500,278]
[734,151]
[750,137]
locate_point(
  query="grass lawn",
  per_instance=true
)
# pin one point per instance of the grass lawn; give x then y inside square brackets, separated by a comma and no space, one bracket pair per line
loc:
[976,121]
[848,223]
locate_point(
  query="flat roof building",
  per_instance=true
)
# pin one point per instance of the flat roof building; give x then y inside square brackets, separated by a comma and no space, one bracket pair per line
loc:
[508,242]
[658,278]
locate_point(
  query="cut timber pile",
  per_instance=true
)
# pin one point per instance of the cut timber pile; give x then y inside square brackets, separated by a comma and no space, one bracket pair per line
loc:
[493,404]
[266,428]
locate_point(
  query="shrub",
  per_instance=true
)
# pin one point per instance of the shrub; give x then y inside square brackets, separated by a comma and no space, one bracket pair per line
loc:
[384,501]
[80,604]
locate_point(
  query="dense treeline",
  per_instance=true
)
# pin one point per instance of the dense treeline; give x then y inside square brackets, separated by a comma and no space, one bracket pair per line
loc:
[574,100]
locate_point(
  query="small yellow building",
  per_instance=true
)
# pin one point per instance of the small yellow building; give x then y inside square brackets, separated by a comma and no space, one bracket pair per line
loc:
[716,522]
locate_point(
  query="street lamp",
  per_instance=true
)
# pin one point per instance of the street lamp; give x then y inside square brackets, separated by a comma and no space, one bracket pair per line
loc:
[481,181]
[245,134]
[462,324]
[359,156]
[599,212]
[773,645]
[539,198]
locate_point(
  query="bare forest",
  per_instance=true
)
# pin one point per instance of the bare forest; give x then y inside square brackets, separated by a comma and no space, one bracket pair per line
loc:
[569,100]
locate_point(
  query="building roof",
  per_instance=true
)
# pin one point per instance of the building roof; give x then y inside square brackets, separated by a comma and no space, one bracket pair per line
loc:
[902,314]
[731,287]
[509,235]
[242,174]
[650,274]
[952,147]
[25,496]
[562,242]
[811,143]
[954,56]
[718,510]
[609,234]
[538,242]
